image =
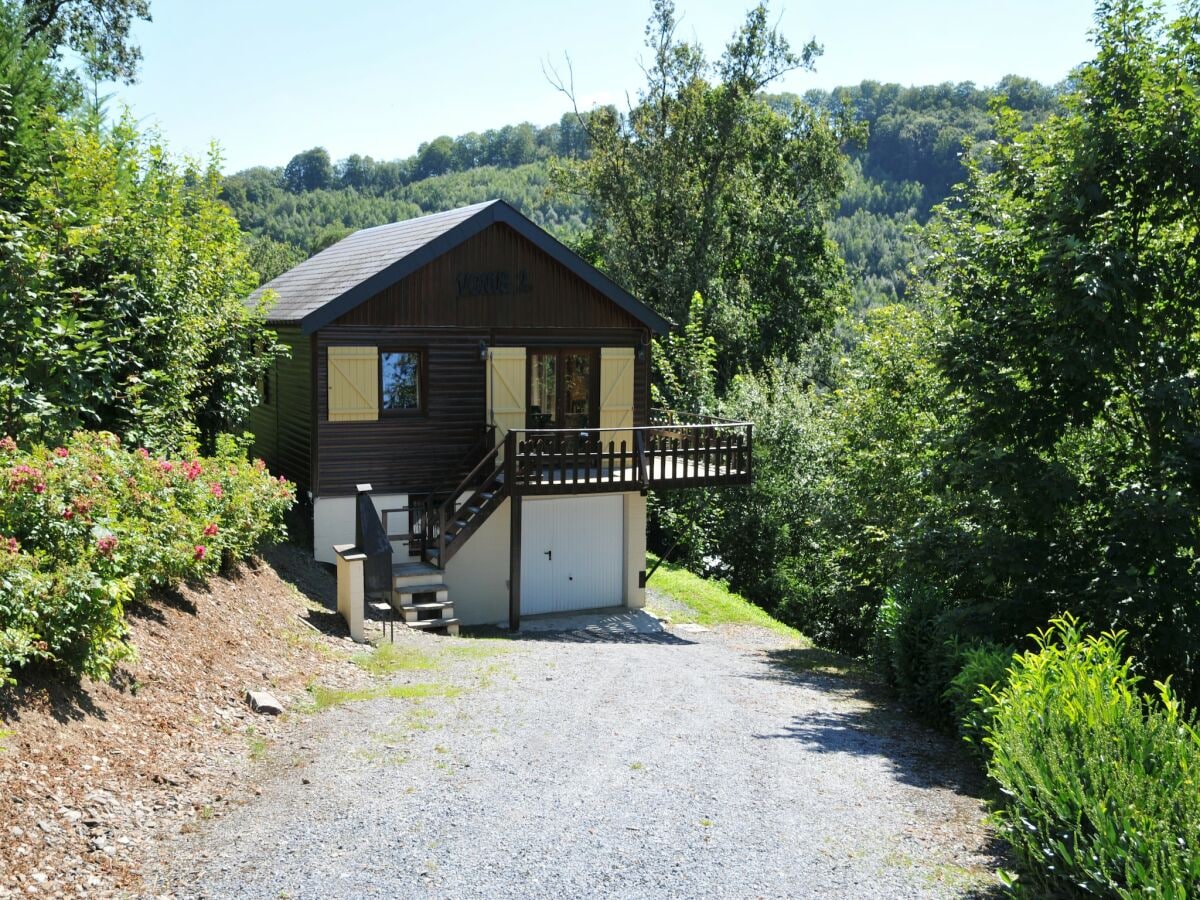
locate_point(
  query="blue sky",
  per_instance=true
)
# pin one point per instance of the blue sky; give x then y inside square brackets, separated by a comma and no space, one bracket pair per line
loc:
[269,78]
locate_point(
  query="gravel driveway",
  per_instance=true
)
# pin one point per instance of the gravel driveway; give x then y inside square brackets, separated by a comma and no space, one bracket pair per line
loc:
[601,756]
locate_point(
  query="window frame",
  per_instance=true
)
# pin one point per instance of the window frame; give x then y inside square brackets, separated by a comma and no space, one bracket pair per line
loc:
[422,381]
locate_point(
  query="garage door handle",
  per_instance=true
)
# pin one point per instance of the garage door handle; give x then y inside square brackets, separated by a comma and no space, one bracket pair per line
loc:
[550,555]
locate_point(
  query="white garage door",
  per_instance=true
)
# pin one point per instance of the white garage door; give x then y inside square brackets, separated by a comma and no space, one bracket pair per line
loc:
[572,554]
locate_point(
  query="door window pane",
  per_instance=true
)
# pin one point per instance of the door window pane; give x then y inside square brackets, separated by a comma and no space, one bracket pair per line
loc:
[577,394]
[543,390]
[400,381]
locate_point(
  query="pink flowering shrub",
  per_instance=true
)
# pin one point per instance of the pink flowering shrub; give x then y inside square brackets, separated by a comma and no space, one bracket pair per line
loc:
[89,527]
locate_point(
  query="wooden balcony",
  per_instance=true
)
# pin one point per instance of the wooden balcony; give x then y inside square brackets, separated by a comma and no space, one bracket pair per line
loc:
[674,451]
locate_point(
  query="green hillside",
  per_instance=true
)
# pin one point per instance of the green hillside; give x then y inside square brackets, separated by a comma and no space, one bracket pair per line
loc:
[909,161]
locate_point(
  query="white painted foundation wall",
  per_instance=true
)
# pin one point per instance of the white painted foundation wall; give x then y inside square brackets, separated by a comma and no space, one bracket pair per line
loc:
[478,574]
[333,522]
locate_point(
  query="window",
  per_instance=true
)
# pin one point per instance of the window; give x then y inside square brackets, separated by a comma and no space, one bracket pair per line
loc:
[400,380]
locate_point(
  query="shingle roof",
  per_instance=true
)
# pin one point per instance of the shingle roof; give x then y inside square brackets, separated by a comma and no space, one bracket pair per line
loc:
[340,277]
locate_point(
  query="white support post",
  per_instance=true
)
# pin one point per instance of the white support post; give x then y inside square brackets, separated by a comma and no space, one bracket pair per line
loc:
[350,597]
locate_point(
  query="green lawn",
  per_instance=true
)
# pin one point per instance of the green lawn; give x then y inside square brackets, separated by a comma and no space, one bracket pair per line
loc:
[711,602]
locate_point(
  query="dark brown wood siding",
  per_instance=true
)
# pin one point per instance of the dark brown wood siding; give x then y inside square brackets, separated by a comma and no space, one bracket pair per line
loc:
[283,428]
[540,292]
[412,454]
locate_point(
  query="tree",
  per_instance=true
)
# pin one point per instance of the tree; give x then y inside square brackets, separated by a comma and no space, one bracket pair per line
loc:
[434,158]
[122,280]
[308,171]
[357,172]
[1069,267]
[97,30]
[703,187]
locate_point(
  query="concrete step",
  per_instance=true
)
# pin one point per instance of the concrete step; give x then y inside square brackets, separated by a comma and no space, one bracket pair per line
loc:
[451,625]
[433,611]
[418,573]
[433,587]
[439,606]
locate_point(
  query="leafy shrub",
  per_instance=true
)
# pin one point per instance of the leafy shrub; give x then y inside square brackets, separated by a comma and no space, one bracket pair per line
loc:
[983,671]
[1099,779]
[87,527]
[921,654]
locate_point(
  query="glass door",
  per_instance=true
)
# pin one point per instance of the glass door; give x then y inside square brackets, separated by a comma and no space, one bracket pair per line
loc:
[563,385]
[543,390]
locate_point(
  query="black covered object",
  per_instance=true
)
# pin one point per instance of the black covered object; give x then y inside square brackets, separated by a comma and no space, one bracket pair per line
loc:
[371,539]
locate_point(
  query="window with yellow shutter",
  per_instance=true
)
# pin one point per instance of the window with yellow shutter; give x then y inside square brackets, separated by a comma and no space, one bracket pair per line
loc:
[353,384]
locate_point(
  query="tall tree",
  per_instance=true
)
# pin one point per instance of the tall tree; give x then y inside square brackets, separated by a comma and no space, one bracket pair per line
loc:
[1070,266]
[702,186]
[97,30]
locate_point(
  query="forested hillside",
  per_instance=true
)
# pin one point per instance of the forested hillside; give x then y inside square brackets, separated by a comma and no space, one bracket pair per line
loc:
[910,159]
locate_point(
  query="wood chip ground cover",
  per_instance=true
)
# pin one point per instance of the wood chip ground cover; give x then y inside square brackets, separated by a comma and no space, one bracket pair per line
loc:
[91,776]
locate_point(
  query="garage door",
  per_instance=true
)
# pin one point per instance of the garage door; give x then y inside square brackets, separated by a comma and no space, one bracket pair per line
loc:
[572,554]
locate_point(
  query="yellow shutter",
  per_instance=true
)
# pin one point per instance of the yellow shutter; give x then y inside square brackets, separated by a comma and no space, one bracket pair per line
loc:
[506,389]
[616,395]
[353,384]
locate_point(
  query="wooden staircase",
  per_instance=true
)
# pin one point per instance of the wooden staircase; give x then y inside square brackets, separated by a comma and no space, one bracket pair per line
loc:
[419,590]
[463,512]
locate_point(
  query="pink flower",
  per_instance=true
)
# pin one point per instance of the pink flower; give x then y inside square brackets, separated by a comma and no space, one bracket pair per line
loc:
[210,529]
[68,513]
[62,452]
[282,480]
[143,452]
[165,466]
[259,464]
[105,545]
[23,470]
[39,488]
[192,470]
[8,445]
[200,551]
[11,545]
[217,490]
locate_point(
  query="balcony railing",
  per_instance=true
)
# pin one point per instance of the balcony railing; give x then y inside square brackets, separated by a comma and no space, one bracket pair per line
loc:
[675,451]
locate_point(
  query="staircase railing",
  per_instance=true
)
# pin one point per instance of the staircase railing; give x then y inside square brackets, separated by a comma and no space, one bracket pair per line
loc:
[447,511]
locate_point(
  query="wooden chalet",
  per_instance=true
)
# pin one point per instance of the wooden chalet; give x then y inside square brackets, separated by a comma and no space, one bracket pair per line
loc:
[493,389]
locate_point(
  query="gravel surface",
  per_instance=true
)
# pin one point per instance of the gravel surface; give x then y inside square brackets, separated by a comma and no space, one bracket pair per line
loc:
[601,756]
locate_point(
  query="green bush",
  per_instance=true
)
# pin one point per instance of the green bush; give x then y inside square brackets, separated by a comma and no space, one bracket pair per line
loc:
[918,654]
[1099,780]
[983,671]
[87,527]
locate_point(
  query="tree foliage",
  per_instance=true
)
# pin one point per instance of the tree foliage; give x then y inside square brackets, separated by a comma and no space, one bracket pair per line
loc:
[702,186]
[97,30]
[1069,267]
[121,276]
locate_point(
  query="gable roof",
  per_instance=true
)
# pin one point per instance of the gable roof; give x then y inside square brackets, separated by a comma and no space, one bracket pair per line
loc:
[356,268]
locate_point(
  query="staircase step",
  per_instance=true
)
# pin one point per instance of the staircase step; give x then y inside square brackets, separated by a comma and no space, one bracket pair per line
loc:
[451,625]
[427,607]
[430,588]
[405,575]
[404,570]
[474,510]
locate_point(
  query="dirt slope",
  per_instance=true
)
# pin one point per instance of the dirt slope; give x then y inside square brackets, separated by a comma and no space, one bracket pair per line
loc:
[92,774]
